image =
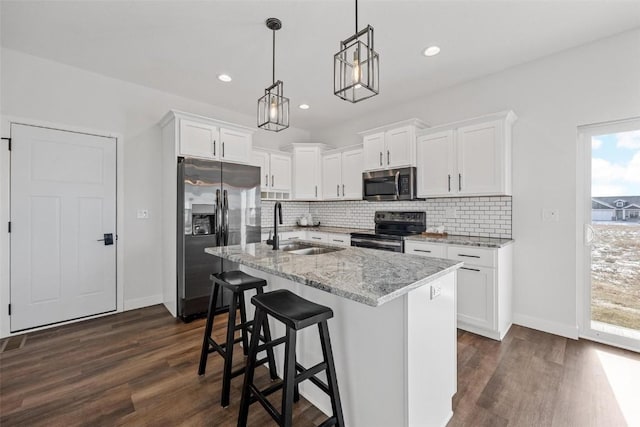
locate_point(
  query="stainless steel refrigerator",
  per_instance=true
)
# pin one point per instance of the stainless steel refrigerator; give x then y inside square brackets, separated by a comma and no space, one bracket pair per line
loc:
[218,205]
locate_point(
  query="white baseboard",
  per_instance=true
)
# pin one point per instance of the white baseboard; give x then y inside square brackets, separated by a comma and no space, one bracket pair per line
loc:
[562,329]
[132,304]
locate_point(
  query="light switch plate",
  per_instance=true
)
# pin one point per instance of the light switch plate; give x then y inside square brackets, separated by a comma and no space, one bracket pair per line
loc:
[143,214]
[550,215]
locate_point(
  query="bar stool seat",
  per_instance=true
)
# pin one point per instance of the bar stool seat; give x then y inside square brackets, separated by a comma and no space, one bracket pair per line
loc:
[237,282]
[295,313]
[292,310]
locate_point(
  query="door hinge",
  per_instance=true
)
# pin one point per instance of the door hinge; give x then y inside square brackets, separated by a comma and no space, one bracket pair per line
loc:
[9,309]
[9,227]
[9,141]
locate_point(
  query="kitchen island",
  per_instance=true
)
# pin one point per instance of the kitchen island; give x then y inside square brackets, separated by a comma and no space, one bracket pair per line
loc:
[393,331]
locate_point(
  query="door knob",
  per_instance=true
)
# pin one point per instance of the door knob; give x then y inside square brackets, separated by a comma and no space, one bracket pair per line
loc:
[108,239]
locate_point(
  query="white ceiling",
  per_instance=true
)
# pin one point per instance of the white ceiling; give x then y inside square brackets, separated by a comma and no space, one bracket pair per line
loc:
[181,46]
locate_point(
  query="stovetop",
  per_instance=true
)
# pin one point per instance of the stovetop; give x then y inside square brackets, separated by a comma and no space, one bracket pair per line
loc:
[386,235]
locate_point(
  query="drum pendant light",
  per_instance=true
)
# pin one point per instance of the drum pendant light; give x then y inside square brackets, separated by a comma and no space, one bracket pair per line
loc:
[273,107]
[356,65]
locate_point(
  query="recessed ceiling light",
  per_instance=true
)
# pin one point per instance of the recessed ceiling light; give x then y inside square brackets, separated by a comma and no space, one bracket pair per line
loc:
[303,106]
[224,78]
[431,51]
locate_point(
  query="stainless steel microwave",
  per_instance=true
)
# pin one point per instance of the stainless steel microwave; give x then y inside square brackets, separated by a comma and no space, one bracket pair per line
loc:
[390,184]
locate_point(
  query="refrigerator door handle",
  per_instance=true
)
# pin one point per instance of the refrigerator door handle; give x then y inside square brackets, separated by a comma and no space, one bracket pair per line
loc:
[225,218]
[218,219]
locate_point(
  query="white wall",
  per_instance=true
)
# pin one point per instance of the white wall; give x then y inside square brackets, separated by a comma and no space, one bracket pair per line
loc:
[35,88]
[593,83]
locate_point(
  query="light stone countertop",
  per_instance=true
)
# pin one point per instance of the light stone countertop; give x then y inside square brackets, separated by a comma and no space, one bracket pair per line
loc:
[319,229]
[368,276]
[452,239]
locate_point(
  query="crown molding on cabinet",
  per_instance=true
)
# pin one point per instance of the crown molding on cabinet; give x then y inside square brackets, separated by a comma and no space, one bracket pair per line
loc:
[214,122]
[419,124]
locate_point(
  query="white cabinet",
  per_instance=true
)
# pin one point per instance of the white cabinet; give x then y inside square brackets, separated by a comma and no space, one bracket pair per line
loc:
[470,158]
[339,239]
[235,145]
[391,146]
[436,159]
[373,151]
[198,139]
[307,171]
[206,138]
[425,249]
[275,170]
[331,176]
[476,292]
[316,236]
[484,284]
[342,175]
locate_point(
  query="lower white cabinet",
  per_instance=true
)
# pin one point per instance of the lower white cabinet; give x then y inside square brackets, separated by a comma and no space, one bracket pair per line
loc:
[316,236]
[339,239]
[484,285]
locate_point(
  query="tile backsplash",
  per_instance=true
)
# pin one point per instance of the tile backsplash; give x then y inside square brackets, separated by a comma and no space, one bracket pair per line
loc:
[473,216]
[291,212]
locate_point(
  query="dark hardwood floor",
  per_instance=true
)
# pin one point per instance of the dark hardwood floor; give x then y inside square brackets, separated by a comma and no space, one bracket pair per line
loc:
[140,368]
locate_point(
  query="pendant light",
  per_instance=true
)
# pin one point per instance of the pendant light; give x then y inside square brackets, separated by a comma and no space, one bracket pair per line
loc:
[273,107]
[356,65]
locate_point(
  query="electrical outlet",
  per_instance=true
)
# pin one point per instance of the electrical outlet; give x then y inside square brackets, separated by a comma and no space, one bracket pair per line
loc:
[550,215]
[451,213]
[143,214]
[435,291]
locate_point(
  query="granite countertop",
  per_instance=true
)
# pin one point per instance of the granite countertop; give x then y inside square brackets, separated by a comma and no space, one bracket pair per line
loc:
[368,276]
[320,229]
[452,239]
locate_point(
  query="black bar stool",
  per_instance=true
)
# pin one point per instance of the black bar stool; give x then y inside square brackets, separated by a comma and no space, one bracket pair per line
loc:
[296,313]
[237,282]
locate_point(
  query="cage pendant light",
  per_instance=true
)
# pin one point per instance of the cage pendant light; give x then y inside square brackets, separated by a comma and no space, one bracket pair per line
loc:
[356,65]
[273,107]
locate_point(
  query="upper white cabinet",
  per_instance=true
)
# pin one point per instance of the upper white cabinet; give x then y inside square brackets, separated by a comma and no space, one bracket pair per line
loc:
[235,145]
[197,139]
[307,171]
[391,146]
[197,136]
[342,175]
[275,170]
[469,158]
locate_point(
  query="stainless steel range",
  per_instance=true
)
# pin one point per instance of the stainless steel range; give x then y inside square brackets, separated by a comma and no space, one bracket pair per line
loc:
[392,228]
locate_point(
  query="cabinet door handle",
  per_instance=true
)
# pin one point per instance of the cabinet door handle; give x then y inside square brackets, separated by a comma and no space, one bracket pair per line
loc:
[469,256]
[338,190]
[266,178]
[381,158]
[459,182]
[222,148]
[342,190]
[316,191]
[470,269]
[388,157]
[272,180]
[449,178]
[316,238]
[338,240]
[214,147]
[422,250]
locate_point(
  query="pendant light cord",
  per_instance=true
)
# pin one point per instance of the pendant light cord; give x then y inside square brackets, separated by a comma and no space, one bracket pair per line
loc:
[356,17]
[274,57]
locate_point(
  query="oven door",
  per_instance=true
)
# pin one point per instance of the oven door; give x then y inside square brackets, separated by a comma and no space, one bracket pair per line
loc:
[385,245]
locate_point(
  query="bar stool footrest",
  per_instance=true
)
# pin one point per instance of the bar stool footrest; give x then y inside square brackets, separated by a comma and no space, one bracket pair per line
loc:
[322,386]
[261,396]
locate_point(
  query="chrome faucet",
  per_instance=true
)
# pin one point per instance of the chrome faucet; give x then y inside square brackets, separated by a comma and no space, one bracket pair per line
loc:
[277,214]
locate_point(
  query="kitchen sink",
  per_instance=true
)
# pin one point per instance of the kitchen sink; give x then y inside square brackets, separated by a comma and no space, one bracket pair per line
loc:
[303,248]
[314,250]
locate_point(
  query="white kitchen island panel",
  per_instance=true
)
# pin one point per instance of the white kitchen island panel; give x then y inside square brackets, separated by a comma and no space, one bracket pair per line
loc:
[395,363]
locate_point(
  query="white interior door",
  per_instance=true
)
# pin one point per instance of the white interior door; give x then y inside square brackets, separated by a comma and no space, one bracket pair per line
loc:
[63,202]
